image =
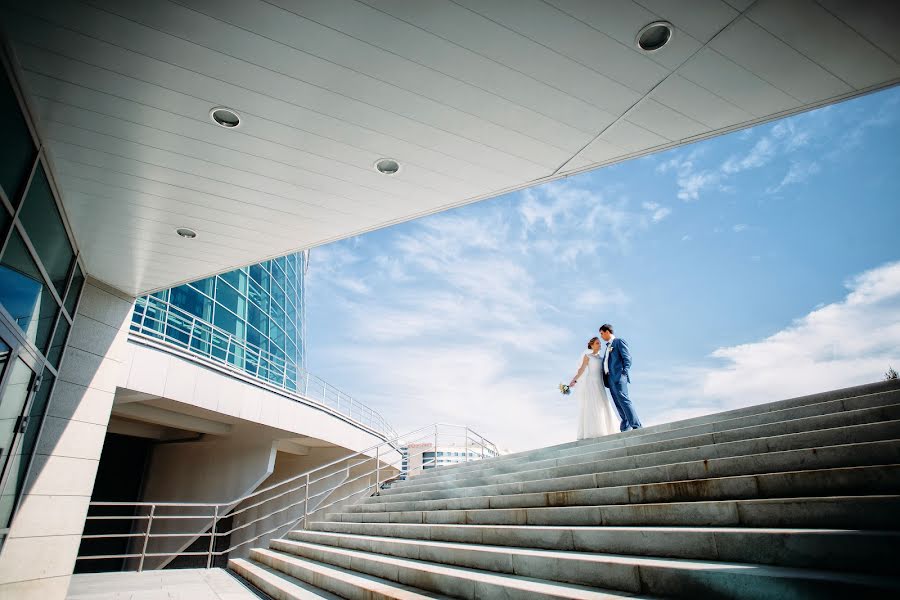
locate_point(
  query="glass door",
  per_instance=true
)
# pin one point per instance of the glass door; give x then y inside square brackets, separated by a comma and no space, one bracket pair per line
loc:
[17,385]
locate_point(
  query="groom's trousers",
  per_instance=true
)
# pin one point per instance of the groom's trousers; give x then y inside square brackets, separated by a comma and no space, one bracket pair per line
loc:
[618,389]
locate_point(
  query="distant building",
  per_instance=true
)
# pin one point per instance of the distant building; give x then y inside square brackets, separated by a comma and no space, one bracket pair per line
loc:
[422,456]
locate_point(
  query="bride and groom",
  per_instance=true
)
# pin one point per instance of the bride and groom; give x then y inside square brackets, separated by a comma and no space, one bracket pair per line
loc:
[601,369]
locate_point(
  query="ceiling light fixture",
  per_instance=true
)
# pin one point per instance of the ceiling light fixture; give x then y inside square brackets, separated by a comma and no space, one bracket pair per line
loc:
[186,233]
[654,36]
[388,166]
[225,117]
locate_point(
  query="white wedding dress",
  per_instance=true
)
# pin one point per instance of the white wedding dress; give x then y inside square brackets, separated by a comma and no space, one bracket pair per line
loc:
[595,411]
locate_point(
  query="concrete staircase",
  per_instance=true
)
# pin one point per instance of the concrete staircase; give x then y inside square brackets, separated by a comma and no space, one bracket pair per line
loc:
[794,499]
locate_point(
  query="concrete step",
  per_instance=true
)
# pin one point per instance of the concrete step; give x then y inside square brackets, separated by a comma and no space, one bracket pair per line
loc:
[655,576]
[702,448]
[818,482]
[813,423]
[275,584]
[454,582]
[647,435]
[299,573]
[847,455]
[831,549]
[838,512]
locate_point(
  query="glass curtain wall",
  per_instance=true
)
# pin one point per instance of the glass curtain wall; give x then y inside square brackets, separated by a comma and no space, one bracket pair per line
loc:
[252,318]
[40,284]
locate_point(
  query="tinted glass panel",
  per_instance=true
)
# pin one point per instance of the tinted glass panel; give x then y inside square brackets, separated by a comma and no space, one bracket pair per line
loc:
[59,341]
[21,458]
[23,293]
[46,231]
[189,299]
[17,152]
[12,405]
[229,322]
[238,279]
[74,290]
[205,285]
[228,296]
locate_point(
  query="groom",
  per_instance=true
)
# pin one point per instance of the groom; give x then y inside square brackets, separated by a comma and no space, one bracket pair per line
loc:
[616,363]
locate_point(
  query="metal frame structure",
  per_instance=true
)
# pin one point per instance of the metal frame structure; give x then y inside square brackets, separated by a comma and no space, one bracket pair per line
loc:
[212,514]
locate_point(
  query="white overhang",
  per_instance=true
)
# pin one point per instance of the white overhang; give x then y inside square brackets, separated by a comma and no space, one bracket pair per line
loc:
[473,98]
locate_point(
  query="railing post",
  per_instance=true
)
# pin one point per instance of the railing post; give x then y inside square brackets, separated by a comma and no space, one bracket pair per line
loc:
[434,458]
[377,470]
[306,504]
[146,537]
[467,444]
[191,334]
[212,537]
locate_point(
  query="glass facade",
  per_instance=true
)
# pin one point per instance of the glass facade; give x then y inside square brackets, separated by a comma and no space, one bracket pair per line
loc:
[251,317]
[40,285]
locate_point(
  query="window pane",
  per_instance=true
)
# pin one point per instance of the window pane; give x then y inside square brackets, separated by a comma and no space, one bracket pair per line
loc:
[229,322]
[46,231]
[205,285]
[228,297]
[236,278]
[12,405]
[257,318]
[59,341]
[74,290]
[19,461]
[17,152]
[24,294]
[259,273]
[259,295]
[192,301]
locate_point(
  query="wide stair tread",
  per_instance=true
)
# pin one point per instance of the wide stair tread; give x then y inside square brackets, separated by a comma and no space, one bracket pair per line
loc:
[721,422]
[276,584]
[320,578]
[433,578]
[882,479]
[866,551]
[633,574]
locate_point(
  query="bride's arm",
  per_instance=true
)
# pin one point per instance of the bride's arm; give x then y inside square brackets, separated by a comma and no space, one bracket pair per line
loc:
[580,371]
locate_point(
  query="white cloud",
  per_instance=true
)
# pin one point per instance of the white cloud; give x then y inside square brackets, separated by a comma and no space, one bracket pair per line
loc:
[762,152]
[840,344]
[686,238]
[798,172]
[740,227]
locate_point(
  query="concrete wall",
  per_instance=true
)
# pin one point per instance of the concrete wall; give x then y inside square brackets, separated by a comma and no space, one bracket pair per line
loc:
[39,554]
[165,374]
[213,470]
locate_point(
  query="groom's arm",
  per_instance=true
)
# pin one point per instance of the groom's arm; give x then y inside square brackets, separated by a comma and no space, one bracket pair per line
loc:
[626,356]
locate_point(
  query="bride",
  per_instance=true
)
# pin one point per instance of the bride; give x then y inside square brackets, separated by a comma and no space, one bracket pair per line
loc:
[596,417]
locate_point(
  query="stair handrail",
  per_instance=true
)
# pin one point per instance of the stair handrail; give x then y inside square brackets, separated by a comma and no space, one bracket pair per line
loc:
[222,510]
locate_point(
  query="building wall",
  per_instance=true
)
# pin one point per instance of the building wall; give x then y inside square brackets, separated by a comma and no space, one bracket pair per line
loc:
[38,556]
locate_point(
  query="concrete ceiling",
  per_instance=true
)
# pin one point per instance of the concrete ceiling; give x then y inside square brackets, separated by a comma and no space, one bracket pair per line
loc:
[472,97]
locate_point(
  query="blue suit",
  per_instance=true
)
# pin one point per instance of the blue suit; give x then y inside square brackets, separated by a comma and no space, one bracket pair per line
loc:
[617,381]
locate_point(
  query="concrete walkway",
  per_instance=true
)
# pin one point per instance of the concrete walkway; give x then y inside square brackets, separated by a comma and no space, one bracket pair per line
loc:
[175,584]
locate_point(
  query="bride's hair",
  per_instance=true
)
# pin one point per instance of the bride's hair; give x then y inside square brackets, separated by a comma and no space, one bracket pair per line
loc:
[591,343]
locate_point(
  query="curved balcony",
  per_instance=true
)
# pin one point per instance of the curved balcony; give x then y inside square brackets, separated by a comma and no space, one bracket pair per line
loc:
[160,321]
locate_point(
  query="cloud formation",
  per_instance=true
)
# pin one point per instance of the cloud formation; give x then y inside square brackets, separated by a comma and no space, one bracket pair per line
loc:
[836,345]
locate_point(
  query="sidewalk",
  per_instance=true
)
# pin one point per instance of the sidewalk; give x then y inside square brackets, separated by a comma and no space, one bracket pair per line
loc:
[175,584]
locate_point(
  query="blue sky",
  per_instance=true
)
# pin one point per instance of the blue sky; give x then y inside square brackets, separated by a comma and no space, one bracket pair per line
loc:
[743,269]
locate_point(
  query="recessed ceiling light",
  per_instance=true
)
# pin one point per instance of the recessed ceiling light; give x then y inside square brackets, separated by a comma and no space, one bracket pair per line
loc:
[654,36]
[388,166]
[186,233]
[225,117]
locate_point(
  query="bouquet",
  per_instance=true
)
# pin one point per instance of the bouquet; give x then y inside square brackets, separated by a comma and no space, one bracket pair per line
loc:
[564,389]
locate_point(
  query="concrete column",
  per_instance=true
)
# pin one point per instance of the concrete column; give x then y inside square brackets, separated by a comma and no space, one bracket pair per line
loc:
[39,555]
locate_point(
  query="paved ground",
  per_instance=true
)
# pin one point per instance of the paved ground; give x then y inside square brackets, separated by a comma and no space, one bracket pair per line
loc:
[176,584]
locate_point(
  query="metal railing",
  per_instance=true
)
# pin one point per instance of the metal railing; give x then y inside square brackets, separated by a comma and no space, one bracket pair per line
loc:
[161,321]
[373,468]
